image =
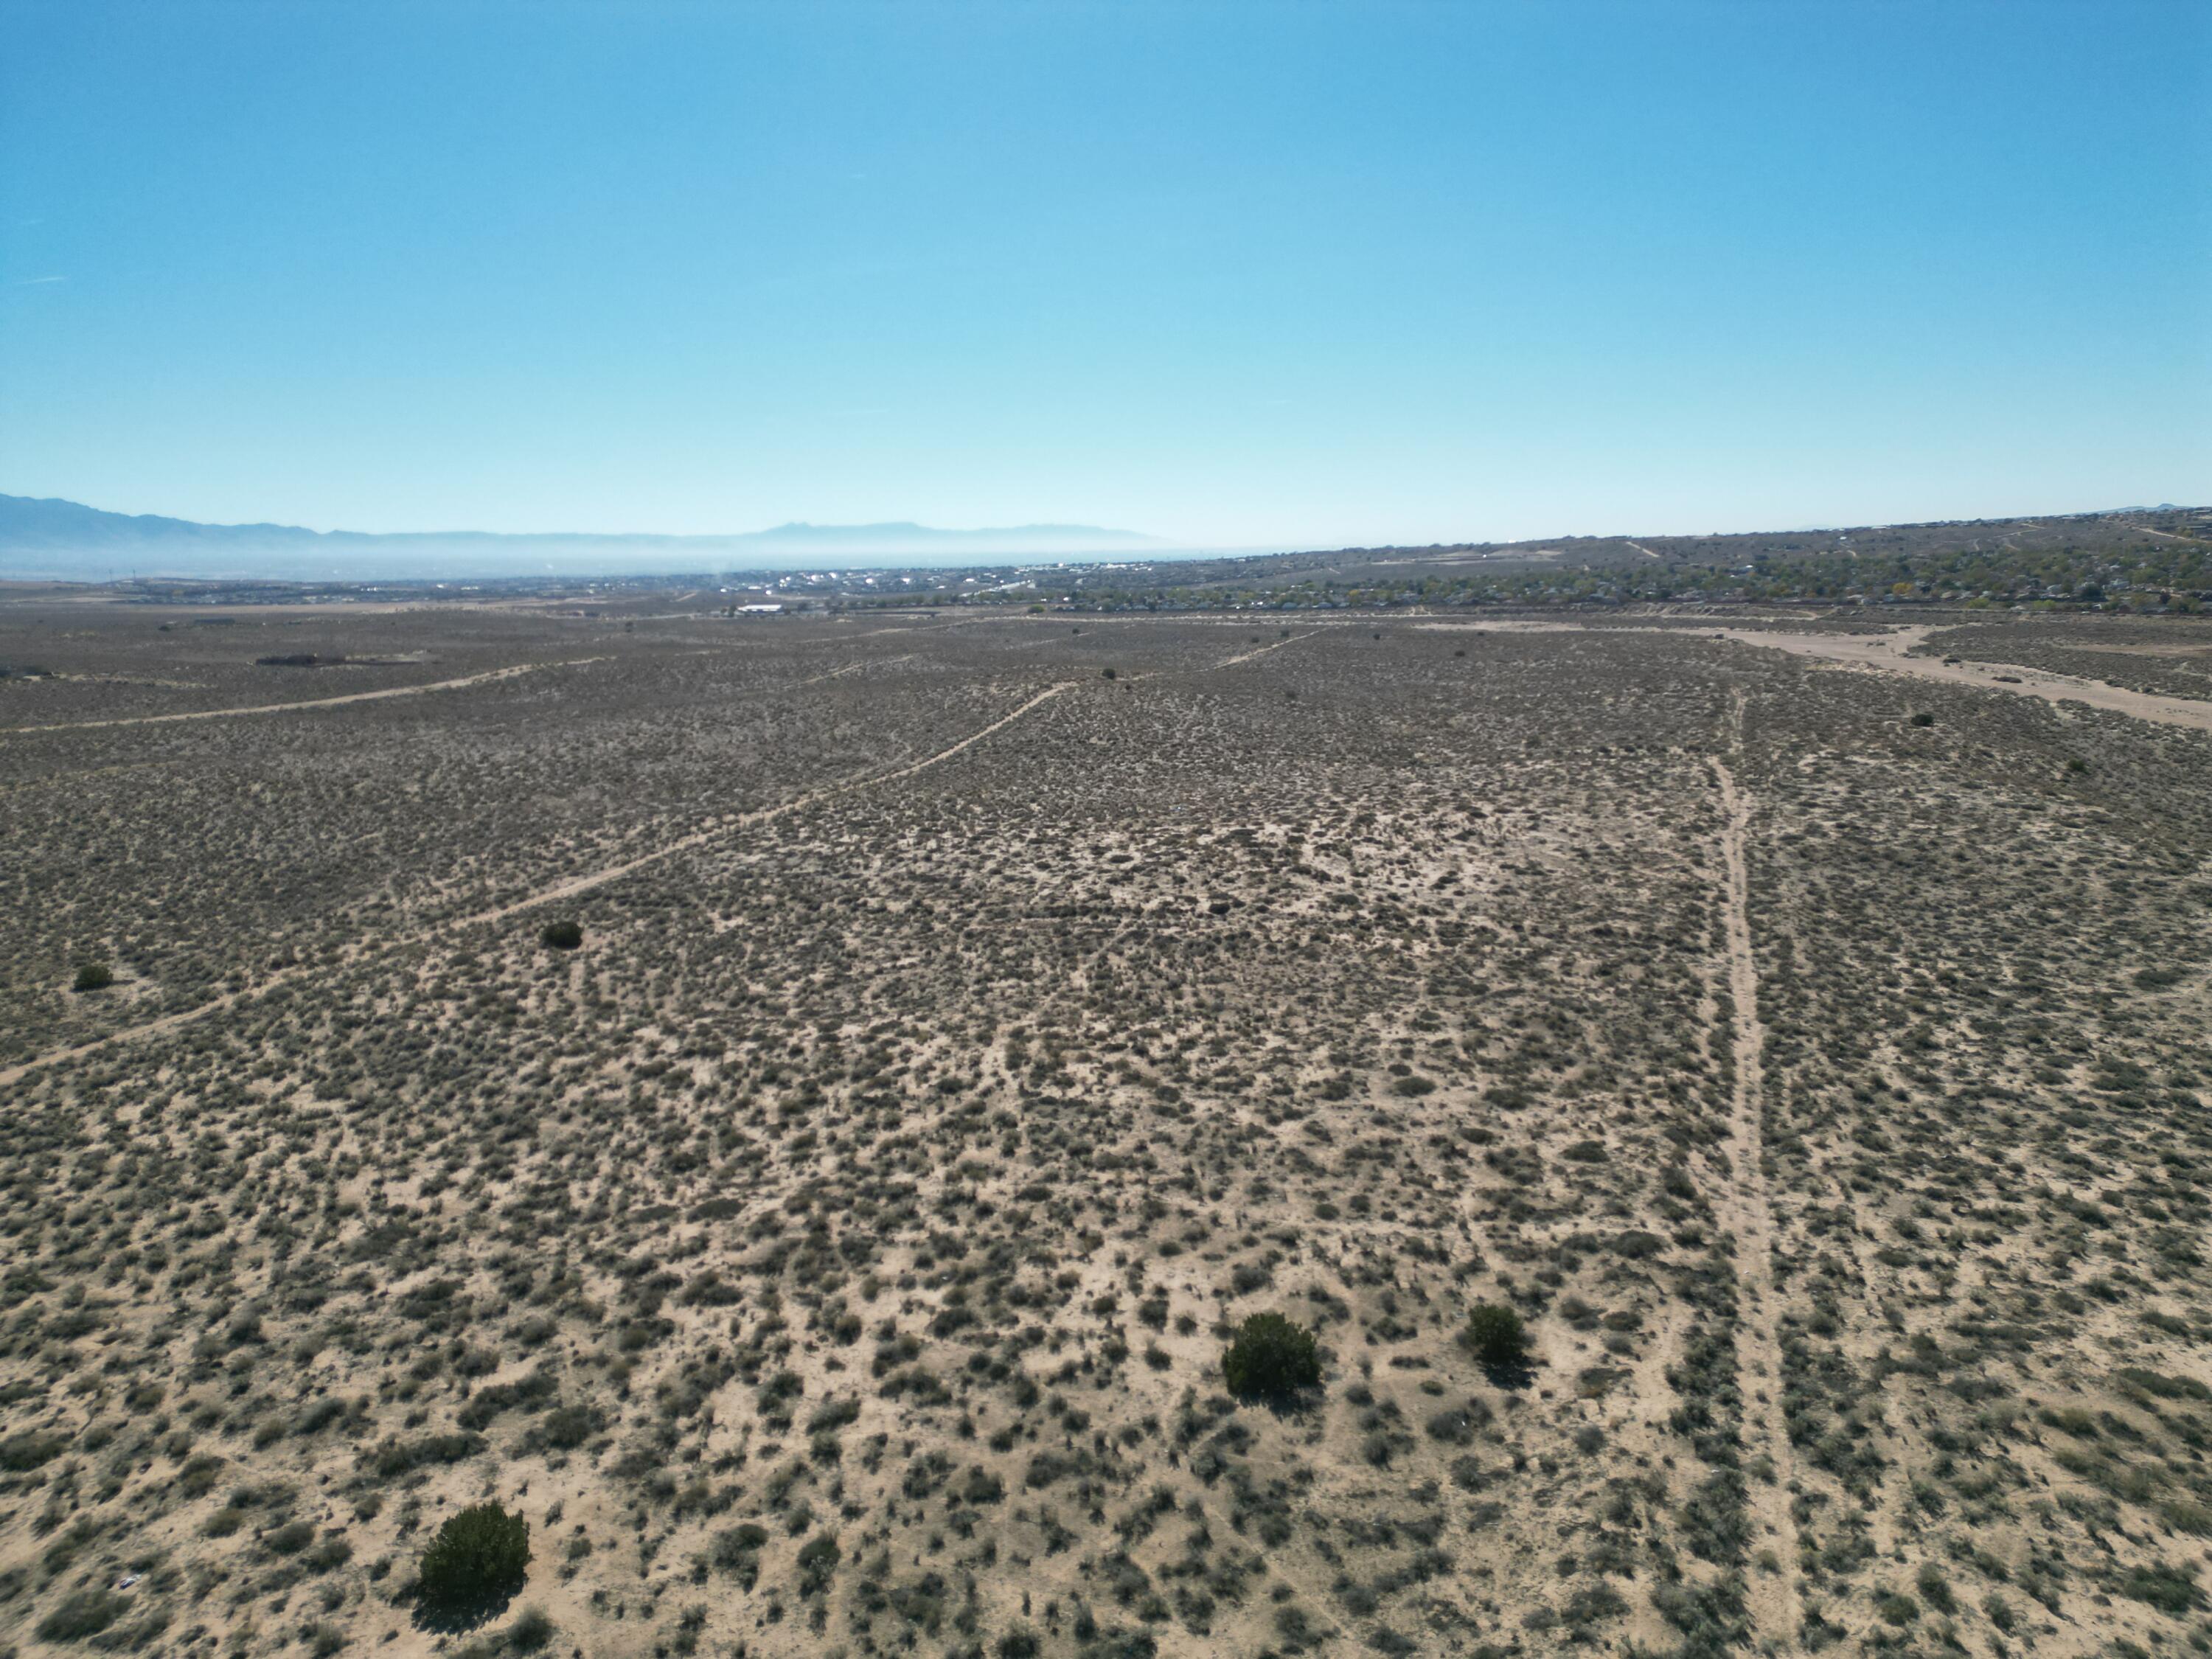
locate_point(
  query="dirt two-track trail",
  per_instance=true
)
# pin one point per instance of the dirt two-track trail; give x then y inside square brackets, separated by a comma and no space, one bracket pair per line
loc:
[1889,652]
[573,887]
[304,704]
[1772,1597]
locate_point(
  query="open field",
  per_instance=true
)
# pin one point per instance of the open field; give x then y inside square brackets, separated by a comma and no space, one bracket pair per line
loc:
[1809,1036]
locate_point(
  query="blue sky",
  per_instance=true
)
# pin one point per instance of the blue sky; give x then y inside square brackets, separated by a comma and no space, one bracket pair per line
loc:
[1236,275]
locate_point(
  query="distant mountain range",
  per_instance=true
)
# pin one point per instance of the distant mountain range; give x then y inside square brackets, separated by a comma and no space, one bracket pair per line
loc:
[68,541]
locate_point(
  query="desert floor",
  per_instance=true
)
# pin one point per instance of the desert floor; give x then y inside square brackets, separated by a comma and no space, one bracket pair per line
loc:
[977,1018]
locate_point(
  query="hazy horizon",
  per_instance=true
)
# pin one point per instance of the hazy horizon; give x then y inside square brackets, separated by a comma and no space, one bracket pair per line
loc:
[37,546]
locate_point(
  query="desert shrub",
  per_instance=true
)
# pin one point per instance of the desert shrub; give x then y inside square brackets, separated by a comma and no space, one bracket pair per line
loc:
[2187,1515]
[1599,1601]
[1935,1589]
[563,935]
[817,1560]
[93,976]
[1496,1335]
[394,1458]
[530,1631]
[331,1553]
[736,1550]
[1637,1244]
[1271,1357]
[290,1538]
[1924,719]
[529,1392]
[1454,1427]
[477,1556]
[28,1450]
[566,1427]
[81,1613]
[2169,1589]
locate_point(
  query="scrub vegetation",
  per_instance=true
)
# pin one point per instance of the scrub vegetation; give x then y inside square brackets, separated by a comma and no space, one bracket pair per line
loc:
[1172,1136]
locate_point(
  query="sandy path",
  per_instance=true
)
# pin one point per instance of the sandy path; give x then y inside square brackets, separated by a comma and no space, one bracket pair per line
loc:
[572,888]
[1645,551]
[1887,654]
[75,777]
[852,668]
[577,885]
[1231,662]
[485,678]
[1773,1597]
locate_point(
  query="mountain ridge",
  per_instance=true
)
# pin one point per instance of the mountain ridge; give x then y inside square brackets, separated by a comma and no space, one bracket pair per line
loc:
[51,537]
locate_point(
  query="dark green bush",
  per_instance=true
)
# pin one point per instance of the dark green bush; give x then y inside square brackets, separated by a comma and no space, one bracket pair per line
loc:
[1271,1357]
[1924,719]
[563,935]
[532,1630]
[478,1556]
[1496,1335]
[818,1559]
[93,976]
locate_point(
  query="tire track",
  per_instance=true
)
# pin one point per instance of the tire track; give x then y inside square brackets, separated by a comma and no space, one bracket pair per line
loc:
[488,676]
[1773,1598]
[1231,662]
[852,668]
[1887,655]
[572,888]
[581,885]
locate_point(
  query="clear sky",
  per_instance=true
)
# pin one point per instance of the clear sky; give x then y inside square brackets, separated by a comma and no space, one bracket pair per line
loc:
[1284,274]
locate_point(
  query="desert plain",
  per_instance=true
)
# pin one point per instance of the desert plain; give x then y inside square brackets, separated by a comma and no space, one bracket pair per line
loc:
[1804,1023]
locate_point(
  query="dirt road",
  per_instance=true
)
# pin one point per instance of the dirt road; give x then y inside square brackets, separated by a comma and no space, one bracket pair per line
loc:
[483,678]
[1764,1433]
[1888,655]
[572,887]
